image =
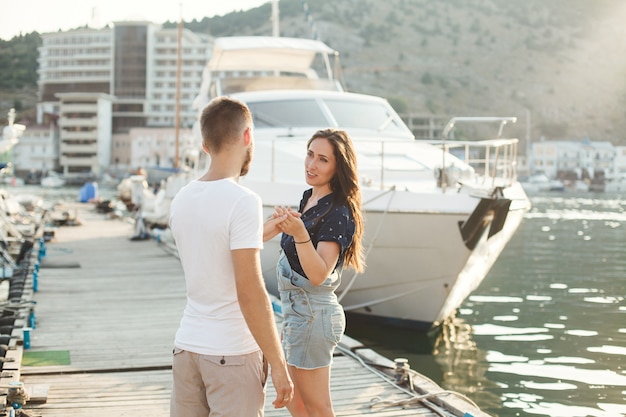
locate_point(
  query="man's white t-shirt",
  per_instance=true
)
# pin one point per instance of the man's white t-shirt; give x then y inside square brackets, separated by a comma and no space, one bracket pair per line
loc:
[208,219]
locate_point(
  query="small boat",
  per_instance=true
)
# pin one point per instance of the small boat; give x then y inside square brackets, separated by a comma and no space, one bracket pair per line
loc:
[540,183]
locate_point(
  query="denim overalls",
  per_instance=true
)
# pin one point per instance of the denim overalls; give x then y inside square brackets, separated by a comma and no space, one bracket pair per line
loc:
[313,320]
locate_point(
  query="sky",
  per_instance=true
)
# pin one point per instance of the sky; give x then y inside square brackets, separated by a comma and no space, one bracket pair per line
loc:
[26,16]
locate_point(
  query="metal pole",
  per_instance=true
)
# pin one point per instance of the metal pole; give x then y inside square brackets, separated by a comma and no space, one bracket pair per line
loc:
[275,19]
[179,60]
[528,147]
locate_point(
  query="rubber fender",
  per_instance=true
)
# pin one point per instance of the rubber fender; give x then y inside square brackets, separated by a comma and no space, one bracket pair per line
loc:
[489,213]
[501,211]
[477,222]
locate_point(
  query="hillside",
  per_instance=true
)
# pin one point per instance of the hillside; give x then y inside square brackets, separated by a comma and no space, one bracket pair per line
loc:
[561,61]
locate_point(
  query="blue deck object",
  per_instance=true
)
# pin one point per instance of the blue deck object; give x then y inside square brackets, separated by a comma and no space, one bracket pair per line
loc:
[88,192]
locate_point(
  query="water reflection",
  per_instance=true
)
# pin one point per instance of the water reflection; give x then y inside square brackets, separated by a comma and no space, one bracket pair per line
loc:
[464,366]
[524,382]
[563,354]
[544,334]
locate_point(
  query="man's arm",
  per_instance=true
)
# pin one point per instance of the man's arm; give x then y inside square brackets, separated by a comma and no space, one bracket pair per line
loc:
[257,311]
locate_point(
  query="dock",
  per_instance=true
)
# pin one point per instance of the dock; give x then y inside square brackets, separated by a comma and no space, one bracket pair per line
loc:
[106,309]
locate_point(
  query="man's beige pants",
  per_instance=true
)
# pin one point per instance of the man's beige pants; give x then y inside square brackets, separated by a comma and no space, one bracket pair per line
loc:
[218,386]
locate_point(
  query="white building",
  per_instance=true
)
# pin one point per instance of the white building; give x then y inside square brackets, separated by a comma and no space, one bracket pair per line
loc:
[135,66]
[76,61]
[136,62]
[162,79]
[620,159]
[584,159]
[150,148]
[37,152]
[84,134]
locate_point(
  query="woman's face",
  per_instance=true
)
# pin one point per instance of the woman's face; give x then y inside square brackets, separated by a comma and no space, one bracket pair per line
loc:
[320,164]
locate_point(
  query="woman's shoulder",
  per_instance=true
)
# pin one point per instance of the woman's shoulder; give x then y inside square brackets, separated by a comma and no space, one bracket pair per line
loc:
[341,208]
[340,211]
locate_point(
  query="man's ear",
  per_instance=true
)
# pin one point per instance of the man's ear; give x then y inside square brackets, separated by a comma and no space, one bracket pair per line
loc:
[247,136]
[205,149]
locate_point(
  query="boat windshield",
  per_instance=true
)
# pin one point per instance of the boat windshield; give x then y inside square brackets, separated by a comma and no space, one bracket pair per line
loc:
[287,113]
[341,113]
[364,115]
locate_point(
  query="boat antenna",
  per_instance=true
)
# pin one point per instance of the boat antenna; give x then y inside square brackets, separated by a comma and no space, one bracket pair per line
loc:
[309,18]
[275,19]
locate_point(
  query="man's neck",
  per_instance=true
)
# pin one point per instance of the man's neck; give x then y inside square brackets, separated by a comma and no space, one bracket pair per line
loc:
[220,169]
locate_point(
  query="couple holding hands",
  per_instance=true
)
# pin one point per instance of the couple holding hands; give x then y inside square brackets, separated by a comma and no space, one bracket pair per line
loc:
[227,335]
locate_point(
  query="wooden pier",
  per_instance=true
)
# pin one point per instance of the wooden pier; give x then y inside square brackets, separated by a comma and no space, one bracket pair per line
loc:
[106,312]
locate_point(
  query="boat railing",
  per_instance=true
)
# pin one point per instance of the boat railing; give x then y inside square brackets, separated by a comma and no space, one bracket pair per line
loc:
[393,163]
[493,160]
[499,165]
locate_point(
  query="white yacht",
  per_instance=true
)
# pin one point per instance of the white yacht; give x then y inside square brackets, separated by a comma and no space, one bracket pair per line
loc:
[438,214]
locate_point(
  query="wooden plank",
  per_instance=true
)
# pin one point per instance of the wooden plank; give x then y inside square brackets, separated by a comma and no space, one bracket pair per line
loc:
[37,393]
[13,359]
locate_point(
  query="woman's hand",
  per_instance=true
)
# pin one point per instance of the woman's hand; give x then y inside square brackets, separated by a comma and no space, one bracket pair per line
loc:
[292,224]
[271,226]
[318,261]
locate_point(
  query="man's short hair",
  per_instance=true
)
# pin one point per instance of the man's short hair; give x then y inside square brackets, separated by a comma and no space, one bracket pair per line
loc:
[222,122]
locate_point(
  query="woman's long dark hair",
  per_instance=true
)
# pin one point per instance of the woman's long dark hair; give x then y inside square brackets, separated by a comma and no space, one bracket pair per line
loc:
[345,187]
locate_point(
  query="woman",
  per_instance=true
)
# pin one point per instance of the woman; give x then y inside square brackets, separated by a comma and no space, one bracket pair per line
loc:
[318,241]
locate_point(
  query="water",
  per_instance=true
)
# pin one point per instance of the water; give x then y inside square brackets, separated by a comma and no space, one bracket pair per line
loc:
[545,333]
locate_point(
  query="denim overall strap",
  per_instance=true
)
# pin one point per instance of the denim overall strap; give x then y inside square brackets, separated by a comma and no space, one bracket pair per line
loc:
[288,279]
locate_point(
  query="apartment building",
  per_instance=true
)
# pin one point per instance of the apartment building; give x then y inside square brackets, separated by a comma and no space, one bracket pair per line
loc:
[128,74]
[74,61]
[84,134]
[577,159]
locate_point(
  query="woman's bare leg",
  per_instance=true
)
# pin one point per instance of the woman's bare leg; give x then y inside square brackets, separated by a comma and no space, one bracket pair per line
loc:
[311,393]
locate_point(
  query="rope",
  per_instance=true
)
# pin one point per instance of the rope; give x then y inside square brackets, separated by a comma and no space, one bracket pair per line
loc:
[168,247]
[377,401]
[17,394]
[371,245]
[421,399]
[12,305]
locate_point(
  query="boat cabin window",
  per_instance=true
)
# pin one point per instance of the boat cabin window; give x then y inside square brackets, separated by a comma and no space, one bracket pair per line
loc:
[287,113]
[370,116]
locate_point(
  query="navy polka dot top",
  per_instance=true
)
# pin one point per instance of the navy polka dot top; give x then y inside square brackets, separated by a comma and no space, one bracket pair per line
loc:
[326,222]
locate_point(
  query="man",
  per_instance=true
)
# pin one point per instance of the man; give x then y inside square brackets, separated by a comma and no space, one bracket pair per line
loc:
[227,328]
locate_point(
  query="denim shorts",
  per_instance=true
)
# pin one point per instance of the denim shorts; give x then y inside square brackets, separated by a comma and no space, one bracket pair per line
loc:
[313,319]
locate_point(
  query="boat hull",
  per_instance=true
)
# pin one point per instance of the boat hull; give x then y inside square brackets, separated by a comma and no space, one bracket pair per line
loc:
[419,267]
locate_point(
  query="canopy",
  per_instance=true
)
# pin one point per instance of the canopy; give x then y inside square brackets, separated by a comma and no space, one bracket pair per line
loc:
[266,53]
